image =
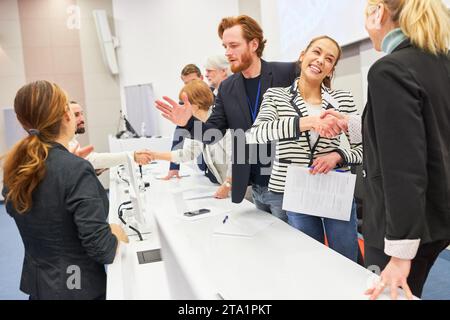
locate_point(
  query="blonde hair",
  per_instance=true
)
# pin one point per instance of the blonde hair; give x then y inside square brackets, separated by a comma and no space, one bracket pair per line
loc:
[425,22]
[199,94]
[40,107]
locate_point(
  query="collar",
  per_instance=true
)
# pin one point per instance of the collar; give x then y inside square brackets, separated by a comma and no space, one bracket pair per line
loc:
[327,100]
[392,40]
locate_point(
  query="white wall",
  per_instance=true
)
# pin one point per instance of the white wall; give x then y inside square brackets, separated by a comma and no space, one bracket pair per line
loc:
[271,26]
[158,37]
[102,91]
[351,72]
[12,70]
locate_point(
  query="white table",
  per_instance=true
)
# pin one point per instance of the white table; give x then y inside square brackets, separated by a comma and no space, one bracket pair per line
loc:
[279,262]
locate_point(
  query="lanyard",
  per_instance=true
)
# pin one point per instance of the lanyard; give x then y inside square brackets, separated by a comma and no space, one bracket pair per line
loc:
[254,110]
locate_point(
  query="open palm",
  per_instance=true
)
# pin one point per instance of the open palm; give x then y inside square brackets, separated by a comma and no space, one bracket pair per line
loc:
[174,112]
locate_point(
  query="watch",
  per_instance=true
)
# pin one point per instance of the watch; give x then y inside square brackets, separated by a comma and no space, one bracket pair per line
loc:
[227,184]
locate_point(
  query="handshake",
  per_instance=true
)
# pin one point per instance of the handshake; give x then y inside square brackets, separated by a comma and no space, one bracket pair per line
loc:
[330,124]
[143,157]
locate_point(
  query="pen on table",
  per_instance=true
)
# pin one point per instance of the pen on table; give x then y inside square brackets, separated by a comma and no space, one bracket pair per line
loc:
[225,219]
[335,170]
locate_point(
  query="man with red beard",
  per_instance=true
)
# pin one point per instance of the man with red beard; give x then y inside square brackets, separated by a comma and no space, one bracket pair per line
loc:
[237,105]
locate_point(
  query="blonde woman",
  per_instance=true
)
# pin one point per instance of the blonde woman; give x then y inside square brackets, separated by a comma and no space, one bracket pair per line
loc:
[217,157]
[406,131]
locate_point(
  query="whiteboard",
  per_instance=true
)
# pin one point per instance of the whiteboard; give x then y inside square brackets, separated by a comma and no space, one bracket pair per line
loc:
[140,109]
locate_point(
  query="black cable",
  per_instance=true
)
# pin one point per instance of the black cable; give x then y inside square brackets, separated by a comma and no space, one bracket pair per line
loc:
[120,211]
[121,205]
[137,231]
[121,178]
[120,214]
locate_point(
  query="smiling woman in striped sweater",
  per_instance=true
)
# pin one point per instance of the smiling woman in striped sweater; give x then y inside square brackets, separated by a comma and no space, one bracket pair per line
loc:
[291,116]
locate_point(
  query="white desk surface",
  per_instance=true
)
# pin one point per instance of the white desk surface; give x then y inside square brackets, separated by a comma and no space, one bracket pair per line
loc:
[279,262]
[126,278]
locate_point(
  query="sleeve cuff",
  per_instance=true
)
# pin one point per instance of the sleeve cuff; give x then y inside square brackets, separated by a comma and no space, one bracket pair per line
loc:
[176,158]
[343,156]
[354,129]
[402,249]
[297,131]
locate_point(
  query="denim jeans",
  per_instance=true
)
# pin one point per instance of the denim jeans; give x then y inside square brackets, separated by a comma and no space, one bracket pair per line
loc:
[269,201]
[342,236]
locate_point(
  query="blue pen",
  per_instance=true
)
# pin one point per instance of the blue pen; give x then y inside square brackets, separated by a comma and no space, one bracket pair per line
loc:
[336,170]
[225,219]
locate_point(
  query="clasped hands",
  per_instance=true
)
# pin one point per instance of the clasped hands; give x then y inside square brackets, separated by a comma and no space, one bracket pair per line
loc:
[141,157]
[331,123]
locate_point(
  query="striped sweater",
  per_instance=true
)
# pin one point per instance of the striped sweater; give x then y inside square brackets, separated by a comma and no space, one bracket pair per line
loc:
[278,120]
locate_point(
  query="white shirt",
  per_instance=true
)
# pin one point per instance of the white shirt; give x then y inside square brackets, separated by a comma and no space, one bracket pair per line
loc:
[103,160]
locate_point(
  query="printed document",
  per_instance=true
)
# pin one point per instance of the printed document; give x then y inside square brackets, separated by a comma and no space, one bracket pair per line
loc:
[324,195]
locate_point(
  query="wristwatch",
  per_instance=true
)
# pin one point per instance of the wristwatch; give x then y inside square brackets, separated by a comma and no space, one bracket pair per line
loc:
[227,184]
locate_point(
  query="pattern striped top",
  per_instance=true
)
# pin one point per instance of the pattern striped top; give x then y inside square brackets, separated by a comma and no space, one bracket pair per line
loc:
[278,120]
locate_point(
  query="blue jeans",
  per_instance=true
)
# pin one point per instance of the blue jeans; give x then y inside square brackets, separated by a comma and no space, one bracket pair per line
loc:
[342,236]
[269,201]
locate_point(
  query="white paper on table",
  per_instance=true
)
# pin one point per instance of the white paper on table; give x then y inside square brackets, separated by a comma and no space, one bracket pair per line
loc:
[324,195]
[244,224]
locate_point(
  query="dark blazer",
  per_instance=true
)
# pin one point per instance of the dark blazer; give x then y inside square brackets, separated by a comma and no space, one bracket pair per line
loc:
[179,135]
[231,111]
[65,227]
[406,136]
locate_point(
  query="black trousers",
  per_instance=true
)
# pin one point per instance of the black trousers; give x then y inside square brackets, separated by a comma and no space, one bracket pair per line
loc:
[420,265]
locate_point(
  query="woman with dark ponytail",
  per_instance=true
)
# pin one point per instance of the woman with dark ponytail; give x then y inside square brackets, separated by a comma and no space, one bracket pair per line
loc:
[57,202]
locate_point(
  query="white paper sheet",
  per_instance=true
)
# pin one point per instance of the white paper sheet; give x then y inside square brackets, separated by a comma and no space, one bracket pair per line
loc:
[200,193]
[324,195]
[244,224]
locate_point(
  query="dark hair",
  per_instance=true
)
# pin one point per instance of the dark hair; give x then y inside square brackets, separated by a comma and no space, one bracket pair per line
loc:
[250,30]
[191,68]
[40,107]
[327,80]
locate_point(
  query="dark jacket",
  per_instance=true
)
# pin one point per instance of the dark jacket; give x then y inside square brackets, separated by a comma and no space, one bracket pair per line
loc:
[231,111]
[66,229]
[406,137]
[179,135]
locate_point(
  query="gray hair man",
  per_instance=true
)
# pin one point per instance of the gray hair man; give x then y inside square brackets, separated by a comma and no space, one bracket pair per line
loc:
[217,70]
